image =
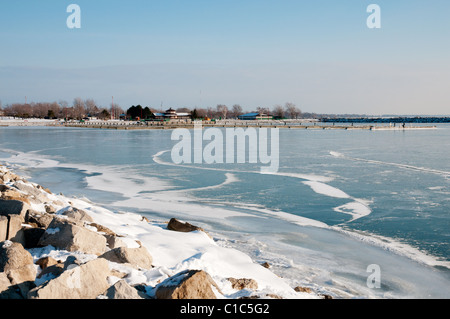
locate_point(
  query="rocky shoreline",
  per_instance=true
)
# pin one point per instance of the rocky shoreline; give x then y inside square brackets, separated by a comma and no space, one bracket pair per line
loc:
[52,249]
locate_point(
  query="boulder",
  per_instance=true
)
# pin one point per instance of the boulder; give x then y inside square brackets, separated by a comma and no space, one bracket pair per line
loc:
[65,235]
[13,207]
[188,284]
[9,193]
[176,225]
[17,263]
[114,241]
[265,265]
[78,282]
[15,232]
[32,237]
[36,194]
[23,278]
[136,257]
[9,177]
[243,283]
[13,256]
[49,209]
[44,189]
[11,228]
[25,188]
[45,262]
[3,228]
[122,290]
[7,290]
[303,289]
[56,268]
[39,219]
[4,282]
[103,229]
[77,214]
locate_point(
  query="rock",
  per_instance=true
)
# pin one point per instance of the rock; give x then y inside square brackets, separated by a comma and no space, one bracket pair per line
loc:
[265,265]
[13,207]
[65,235]
[114,241]
[17,263]
[252,297]
[10,177]
[49,209]
[13,256]
[58,203]
[45,262]
[176,225]
[55,270]
[44,189]
[243,283]
[11,229]
[32,237]
[83,282]
[7,290]
[118,274]
[38,219]
[122,290]
[4,282]
[103,229]
[136,257]
[77,214]
[15,232]
[38,195]
[3,228]
[303,289]
[23,278]
[188,284]
[273,296]
[8,193]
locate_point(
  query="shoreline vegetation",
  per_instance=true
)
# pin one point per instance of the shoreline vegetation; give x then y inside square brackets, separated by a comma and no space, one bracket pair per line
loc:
[55,247]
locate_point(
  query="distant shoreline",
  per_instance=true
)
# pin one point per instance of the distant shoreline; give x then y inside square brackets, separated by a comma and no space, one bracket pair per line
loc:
[305,124]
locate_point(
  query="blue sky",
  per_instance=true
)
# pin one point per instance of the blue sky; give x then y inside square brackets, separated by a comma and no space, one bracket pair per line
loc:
[318,54]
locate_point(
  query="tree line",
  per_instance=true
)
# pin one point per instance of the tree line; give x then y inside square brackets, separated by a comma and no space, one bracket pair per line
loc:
[62,110]
[221,111]
[80,109]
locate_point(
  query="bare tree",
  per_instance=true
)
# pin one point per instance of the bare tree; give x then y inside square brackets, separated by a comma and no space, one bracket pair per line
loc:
[104,114]
[78,108]
[278,111]
[53,109]
[63,103]
[292,110]
[262,110]
[202,113]
[20,110]
[40,110]
[236,110]
[222,110]
[91,107]
[115,110]
[183,110]
[210,112]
